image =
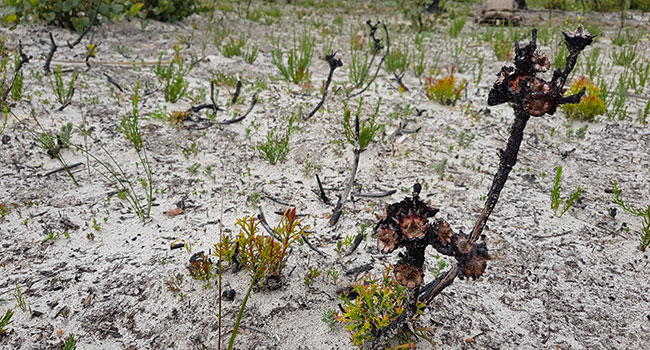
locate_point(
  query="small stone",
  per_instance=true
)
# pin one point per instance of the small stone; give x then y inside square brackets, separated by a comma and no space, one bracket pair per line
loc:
[228,295]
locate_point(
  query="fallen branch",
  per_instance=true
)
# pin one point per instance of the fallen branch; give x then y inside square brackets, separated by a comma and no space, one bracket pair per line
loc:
[374,195]
[357,241]
[203,106]
[110,80]
[224,122]
[70,167]
[304,238]
[238,119]
[67,103]
[402,130]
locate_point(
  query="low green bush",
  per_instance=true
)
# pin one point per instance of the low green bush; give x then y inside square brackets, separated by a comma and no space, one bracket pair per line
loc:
[77,14]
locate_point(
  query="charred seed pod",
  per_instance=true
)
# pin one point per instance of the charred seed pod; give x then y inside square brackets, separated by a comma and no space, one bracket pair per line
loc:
[387,237]
[443,232]
[407,224]
[408,275]
[534,95]
[473,263]
[578,40]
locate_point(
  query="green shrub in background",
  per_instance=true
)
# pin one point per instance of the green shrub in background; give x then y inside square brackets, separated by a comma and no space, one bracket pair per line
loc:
[596,5]
[71,14]
[76,14]
[555,4]
[643,5]
[169,10]
[616,5]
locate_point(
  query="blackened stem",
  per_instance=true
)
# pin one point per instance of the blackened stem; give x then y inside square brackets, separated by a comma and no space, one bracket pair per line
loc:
[571,61]
[378,66]
[50,54]
[338,209]
[23,59]
[508,160]
[334,63]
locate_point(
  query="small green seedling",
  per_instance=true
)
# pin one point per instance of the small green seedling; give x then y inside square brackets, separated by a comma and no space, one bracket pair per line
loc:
[6,321]
[62,92]
[172,77]
[644,214]
[70,343]
[557,199]
[276,148]
[367,129]
[299,58]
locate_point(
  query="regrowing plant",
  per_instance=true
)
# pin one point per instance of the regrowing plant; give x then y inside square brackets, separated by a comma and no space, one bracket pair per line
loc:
[398,60]
[6,321]
[644,214]
[51,144]
[358,67]
[276,148]
[456,26]
[446,90]
[556,197]
[172,76]
[590,104]
[250,55]
[70,343]
[78,14]
[368,127]
[261,255]
[17,88]
[130,127]
[62,91]
[409,223]
[373,303]
[299,58]
[233,46]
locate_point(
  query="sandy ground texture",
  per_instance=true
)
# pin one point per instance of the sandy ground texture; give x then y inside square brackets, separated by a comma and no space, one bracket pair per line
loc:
[577,281]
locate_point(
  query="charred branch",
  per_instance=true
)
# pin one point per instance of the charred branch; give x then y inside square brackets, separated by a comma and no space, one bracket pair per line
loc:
[374,195]
[380,62]
[407,223]
[338,209]
[87,29]
[333,63]
[235,96]
[23,60]
[50,54]
[304,238]
[323,197]
[112,81]
[400,83]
